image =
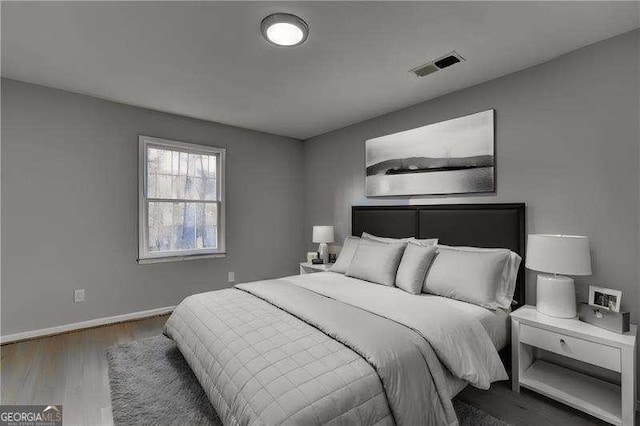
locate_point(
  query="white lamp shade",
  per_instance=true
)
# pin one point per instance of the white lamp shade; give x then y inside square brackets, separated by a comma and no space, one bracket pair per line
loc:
[323,234]
[559,254]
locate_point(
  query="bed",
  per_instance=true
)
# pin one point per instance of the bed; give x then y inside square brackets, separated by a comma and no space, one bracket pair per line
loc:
[327,348]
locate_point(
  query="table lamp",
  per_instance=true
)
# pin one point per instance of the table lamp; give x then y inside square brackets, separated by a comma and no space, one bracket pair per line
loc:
[553,255]
[323,235]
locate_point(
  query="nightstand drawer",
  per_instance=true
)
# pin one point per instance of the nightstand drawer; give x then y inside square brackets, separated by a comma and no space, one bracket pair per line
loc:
[582,350]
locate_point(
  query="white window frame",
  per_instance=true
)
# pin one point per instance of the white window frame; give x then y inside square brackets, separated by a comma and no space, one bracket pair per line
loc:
[144,255]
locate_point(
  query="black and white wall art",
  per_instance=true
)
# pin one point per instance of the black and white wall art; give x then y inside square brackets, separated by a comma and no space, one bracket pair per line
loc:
[451,157]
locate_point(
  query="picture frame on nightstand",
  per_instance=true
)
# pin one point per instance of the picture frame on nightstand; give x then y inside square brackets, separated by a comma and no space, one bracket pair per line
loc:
[311,255]
[605,298]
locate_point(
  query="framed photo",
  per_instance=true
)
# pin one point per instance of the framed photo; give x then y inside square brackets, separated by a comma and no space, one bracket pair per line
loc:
[605,298]
[311,255]
[450,157]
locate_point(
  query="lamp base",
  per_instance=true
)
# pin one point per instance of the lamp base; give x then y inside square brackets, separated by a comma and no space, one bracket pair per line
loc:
[323,251]
[556,296]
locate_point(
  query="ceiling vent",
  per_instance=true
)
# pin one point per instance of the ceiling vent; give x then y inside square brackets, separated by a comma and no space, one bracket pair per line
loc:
[438,64]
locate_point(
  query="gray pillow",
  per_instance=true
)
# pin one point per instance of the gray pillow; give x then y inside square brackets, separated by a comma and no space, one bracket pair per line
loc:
[376,262]
[428,241]
[413,267]
[424,242]
[346,254]
[470,276]
[507,287]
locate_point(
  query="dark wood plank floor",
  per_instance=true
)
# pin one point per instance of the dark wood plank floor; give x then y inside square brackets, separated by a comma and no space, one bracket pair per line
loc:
[71,369]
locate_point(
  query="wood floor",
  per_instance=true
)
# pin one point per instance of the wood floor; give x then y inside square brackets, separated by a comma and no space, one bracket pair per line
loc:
[71,369]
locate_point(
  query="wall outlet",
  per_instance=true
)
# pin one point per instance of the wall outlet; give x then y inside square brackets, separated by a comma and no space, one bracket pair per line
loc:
[232,277]
[78,296]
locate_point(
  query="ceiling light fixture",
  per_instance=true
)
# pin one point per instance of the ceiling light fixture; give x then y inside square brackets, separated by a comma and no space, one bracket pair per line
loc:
[284,30]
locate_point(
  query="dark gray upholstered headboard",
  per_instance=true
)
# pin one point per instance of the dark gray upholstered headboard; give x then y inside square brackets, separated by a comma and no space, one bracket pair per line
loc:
[476,225]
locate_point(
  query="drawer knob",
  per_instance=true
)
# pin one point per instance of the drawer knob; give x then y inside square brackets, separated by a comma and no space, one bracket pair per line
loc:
[562,342]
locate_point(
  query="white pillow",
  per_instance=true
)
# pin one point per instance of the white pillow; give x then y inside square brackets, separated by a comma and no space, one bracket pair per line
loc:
[376,262]
[428,241]
[346,254]
[507,286]
[468,275]
[413,267]
[424,242]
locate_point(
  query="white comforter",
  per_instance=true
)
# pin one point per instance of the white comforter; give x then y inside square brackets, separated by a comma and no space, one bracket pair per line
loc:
[364,341]
[460,340]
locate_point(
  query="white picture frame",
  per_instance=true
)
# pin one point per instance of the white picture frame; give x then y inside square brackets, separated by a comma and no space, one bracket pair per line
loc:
[605,298]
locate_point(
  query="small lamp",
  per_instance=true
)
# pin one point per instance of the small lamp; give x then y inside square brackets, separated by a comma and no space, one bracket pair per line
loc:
[557,254]
[323,235]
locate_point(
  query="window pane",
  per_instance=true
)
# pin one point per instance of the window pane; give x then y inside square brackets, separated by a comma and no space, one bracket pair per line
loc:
[184,226]
[153,160]
[185,175]
[177,226]
[163,186]
[207,229]
[178,186]
[160,226]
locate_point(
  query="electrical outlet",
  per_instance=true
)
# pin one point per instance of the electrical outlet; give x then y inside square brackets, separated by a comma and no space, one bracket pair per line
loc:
[78,296]
[232,277]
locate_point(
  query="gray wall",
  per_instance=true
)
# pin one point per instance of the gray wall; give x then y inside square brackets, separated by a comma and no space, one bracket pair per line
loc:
[567,145]
[69,208]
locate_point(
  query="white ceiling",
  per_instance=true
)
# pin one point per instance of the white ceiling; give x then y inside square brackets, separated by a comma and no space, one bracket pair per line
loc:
[207,59]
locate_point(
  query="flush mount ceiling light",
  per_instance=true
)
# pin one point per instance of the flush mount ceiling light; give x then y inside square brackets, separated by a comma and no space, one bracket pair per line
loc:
[284,30]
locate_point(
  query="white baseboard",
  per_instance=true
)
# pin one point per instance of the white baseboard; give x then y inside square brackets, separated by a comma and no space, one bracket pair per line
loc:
[84,324]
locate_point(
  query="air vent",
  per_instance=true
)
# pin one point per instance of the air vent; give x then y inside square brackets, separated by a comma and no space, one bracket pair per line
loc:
[438,64]
[446,62]
[425,70]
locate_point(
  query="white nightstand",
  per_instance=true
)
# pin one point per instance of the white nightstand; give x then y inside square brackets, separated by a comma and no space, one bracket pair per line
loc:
[578,340]
[310,268]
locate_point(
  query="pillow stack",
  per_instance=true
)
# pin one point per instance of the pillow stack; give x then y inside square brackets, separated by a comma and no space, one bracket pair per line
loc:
[428,241]
[484,277]
[380,260]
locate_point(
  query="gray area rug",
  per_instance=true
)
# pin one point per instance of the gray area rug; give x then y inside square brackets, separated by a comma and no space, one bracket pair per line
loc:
[151,383]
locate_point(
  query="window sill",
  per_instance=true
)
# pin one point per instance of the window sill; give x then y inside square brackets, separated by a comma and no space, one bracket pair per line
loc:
[180,258]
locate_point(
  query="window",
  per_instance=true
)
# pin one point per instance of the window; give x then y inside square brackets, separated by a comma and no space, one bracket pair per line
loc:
[181,200]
